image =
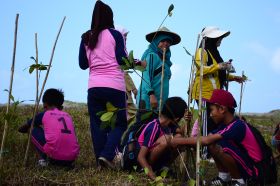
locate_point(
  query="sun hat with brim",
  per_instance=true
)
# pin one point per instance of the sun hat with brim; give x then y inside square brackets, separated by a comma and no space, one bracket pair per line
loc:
[163,30]
[223,98]
[214,32]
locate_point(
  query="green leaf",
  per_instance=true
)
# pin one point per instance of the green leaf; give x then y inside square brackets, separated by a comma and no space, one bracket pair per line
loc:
[31,69]
[106,116]
[158,178]
[125,60]
[140,68]
[146,116]
[191,182]
[124,67]
[160,184]
[131,58]
[110,107]
[130,178]
[204,163]
[163,174]
[100,113]
[43,67]
[113,121]
[187,51]
[171,7]
[146,170]
[12,98]
[134,167]
[33,58]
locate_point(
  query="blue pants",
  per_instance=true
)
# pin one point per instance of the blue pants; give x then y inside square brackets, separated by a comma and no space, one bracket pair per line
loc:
[105,141]
[38,139]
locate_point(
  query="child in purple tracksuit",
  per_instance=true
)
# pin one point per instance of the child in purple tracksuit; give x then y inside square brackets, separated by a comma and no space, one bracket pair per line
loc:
[53,133]
[232,145]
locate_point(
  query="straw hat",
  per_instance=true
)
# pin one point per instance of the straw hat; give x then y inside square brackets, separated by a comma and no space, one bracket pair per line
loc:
[163,30]
[213,32]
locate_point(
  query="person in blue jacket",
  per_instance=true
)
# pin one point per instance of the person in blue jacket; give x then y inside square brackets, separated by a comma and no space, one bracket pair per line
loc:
[149,91]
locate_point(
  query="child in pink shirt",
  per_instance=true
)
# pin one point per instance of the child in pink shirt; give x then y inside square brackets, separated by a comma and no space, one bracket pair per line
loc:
[53,134]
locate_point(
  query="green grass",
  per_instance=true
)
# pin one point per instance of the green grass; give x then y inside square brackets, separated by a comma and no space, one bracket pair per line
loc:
[85,172]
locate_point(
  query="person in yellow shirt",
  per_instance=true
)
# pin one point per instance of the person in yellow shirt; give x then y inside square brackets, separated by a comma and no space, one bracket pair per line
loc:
[215,71]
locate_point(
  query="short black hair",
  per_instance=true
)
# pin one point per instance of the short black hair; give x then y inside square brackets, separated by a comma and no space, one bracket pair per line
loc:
[54,97]
[174,107]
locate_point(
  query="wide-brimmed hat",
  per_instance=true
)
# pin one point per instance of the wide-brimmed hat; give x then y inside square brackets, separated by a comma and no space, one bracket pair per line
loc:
[163,30]
[213,32]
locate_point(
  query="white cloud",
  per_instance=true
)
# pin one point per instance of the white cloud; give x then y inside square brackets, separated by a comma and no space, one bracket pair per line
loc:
[259,49]
[275,61]
[270,55]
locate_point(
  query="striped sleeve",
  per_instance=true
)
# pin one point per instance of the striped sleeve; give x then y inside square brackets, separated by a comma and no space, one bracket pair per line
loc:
[151,134]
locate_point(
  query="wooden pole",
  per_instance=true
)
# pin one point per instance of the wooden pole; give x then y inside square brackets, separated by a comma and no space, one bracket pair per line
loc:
[191,79]
[199,114]
[42,90]
[188,154]
[241,96]
[161,84]
[10,92]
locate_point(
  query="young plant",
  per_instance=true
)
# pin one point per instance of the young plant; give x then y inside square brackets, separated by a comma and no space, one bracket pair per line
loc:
[169,13]
[10,94]
[43,86]
[108,117]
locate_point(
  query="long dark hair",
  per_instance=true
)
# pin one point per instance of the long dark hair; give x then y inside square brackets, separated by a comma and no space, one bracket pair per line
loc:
[102,18]
[211,46]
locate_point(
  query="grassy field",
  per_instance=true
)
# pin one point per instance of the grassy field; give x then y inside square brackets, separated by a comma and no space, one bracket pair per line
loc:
[85,172]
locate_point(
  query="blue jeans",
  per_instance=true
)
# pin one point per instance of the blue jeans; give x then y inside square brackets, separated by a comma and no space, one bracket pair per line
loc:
[106,141]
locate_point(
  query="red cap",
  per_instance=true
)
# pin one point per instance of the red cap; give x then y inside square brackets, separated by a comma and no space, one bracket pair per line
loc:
[222,97]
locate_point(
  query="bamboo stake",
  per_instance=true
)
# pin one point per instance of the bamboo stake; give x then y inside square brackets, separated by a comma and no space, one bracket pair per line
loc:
[199,114]
[241,96]
[161,84]
[10,93]
[41,92]
[186,155]
[169,13]
[191,79]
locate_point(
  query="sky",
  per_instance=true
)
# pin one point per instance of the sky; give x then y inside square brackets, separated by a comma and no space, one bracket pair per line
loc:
[254,43]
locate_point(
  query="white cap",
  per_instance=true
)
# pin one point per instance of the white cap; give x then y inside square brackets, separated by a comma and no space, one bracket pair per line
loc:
[213,32]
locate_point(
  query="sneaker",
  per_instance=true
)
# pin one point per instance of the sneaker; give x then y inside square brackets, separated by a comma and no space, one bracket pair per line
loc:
[117,161]
[236,183]
[103,162]
[42,163]
[218,182]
